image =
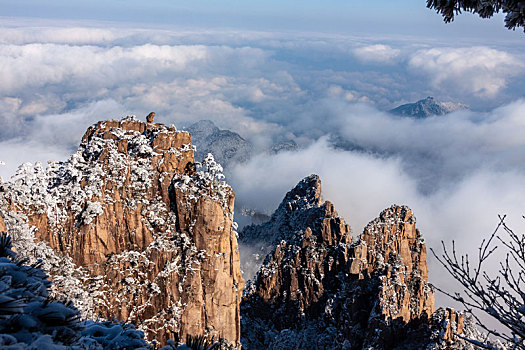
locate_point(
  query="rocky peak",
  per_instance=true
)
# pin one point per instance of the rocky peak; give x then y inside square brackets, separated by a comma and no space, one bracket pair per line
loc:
[300,208]
[316,287]
[427,107]
[131,228]
[202,129]
[393,234]
[303,201]
[306,194]
[392,246]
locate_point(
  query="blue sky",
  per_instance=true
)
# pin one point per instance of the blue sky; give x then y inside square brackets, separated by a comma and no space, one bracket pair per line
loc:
[408,17]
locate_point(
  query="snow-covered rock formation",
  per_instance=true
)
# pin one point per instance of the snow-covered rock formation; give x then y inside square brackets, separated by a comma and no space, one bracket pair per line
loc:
[318,289]
[426,108]
[130,227]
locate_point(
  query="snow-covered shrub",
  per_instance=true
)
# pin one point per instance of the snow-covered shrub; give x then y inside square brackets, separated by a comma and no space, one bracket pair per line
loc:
[139,145]
[26,310]
[90,212]
[30,318]
[207,181]
[211,169]
[112,335]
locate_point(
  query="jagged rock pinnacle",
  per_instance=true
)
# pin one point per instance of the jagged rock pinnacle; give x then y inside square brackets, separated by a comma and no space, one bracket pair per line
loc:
[309,189]
[303,200]
[315,285]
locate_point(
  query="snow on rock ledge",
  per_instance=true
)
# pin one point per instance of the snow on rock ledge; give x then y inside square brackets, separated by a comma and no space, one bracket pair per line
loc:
[124,239]
[318,289]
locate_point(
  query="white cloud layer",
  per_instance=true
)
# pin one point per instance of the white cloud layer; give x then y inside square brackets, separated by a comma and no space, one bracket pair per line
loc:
[378,53]
[39,65]
[457,171]
[477,70]
[58,35]
[441,149]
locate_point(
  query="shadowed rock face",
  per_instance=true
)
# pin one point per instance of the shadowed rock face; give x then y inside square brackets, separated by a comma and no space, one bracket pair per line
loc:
[316,288]
[129,229]
[290,217]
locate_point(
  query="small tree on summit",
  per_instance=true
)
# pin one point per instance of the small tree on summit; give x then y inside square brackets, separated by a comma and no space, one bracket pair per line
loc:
[212,167]
[514,10]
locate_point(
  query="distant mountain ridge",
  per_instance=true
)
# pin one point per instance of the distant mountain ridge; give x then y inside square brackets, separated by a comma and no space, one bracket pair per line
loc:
[225,145]
[427,107]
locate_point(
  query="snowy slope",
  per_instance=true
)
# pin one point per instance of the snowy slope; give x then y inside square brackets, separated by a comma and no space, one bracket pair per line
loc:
[426,108]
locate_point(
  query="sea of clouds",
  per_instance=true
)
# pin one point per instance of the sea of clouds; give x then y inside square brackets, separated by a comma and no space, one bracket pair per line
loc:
[457,172]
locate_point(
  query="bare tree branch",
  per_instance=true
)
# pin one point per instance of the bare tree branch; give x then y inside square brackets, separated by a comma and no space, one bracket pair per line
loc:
[502,296]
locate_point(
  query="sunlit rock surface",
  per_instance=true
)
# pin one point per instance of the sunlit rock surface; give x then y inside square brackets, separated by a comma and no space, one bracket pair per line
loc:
[129,228]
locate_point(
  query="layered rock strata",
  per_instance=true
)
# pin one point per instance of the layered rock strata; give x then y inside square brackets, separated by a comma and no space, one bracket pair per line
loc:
[130,229]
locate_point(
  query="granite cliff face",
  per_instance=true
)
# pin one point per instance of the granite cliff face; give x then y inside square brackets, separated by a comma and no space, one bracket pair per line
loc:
[2,224]
[319,289]
[129,228]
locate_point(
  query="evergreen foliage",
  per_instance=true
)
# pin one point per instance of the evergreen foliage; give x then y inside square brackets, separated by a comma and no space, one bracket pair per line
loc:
[514,10]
